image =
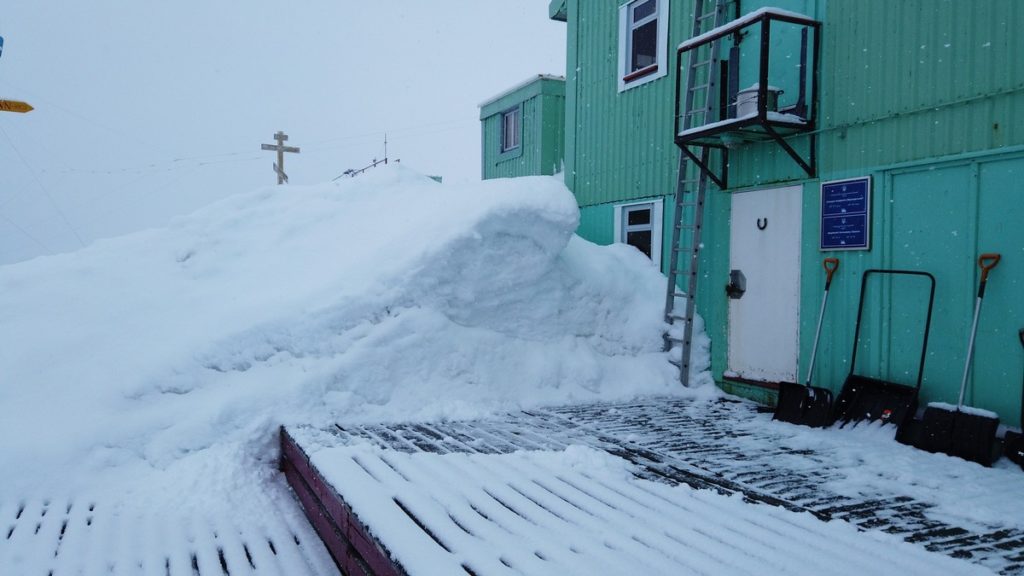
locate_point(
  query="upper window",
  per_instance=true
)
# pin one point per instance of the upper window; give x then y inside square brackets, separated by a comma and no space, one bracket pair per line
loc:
[642,44]
[510,130]
[643,35]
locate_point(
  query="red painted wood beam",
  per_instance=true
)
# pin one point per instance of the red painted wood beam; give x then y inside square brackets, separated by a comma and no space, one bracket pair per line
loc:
[349,541]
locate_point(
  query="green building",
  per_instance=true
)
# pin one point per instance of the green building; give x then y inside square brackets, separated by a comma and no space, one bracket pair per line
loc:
[522,129]
[917,106]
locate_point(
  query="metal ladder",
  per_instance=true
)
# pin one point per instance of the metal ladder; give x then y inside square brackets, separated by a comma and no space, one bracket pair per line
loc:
[701,82]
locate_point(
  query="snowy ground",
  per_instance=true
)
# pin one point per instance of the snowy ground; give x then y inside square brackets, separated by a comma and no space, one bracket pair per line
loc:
[149,373]
[145,377]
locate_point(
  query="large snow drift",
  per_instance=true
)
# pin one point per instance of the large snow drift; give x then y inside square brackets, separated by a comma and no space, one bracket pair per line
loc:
[165,360]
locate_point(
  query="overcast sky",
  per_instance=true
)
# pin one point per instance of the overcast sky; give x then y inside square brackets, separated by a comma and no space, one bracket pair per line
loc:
[146,109]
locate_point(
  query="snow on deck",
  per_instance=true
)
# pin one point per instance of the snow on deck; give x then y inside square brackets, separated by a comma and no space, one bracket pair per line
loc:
[62,536]
[662,486]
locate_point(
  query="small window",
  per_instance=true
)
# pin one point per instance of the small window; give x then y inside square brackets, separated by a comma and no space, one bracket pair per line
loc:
[643,35]
[639,225]
[636,229]
[510,130]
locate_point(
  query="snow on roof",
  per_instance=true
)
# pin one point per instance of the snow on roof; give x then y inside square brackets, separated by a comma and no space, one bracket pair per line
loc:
[523,84]
[743,21]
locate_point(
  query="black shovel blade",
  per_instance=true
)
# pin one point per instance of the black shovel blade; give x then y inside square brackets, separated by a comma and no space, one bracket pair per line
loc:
[790,405]
[960,433]
[937,429]
[1013,447]
[818,409]
[869,399]
[805,405]
[974,436]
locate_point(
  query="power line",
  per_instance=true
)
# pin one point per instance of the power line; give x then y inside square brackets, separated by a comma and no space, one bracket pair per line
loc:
[25,232]
[51,104]
[41,187]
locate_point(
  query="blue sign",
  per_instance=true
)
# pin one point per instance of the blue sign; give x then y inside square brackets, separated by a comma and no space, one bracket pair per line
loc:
[1,45]
[846,214]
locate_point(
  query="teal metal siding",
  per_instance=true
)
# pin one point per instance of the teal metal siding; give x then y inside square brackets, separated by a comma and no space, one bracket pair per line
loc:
[934,217]
[542,119]
[924,96]
[905,81]
[552,132]
[619,145]
[597,223]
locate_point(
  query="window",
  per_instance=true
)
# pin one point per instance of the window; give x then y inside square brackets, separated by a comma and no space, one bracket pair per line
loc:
[639,225]
[643,36]
[642,44]
[510,130]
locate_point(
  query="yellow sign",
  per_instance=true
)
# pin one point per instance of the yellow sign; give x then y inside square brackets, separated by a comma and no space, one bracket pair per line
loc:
[15,106]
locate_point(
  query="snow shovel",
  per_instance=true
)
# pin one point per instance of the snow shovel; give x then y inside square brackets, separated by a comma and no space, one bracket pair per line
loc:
[1013,444]
[806,404]
[955,430]
[872,399]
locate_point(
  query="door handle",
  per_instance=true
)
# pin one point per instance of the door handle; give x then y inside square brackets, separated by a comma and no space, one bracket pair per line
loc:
[737,285]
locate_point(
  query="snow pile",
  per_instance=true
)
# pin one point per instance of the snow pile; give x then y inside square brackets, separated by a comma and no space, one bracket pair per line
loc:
[166,359]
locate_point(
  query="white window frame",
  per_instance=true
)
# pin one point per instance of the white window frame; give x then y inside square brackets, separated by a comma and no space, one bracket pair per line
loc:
[625,49]
[657,210]
[515,115]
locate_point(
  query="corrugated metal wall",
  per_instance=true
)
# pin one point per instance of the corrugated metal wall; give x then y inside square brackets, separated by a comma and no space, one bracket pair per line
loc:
[925,96]
[621,143]
[900,81]
[925,67]
[540,151]
[552,130]
[909,80]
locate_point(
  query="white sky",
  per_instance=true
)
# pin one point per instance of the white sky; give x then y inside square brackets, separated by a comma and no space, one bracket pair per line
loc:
[145,110]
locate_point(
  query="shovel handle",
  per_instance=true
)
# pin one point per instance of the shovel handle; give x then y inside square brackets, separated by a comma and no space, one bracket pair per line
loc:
[830,265]
[987,262]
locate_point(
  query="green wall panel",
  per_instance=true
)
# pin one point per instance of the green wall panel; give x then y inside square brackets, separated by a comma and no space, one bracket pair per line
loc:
[596,224]
[924,96]
[935,218]
[999,359]
[906,81]
[542,123]
[619,144]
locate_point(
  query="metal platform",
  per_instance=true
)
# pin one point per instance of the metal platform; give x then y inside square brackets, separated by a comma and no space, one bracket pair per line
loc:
[410,473]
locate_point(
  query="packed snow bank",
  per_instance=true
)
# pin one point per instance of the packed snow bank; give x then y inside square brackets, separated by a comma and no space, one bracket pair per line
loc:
[170,356]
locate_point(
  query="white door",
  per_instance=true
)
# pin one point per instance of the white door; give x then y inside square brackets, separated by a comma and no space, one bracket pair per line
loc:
[764,322]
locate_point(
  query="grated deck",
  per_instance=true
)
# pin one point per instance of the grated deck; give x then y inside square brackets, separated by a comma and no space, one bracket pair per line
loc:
[728,447]
[57,537]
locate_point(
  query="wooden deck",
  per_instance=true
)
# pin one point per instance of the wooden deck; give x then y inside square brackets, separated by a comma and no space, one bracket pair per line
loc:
[444,506]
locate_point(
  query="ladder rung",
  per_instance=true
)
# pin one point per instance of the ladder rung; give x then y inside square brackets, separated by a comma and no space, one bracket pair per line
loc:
[678,249]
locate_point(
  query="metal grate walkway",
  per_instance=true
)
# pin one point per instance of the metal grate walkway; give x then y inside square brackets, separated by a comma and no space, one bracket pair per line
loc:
[725,446]
[57,537]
